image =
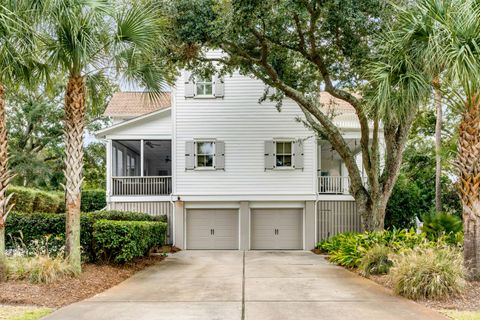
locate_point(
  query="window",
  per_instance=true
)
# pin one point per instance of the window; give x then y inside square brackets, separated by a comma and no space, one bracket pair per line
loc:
[205,154]
[204,87]
[283,154]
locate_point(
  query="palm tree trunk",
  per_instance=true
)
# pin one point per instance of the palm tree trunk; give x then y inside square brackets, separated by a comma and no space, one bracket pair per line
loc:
[4,180]
[74,129]
[468,166]
[438,145]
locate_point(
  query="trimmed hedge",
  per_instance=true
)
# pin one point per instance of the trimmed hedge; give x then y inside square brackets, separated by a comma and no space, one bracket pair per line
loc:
[31,200]
[93,200]
[122,241]
[38,225]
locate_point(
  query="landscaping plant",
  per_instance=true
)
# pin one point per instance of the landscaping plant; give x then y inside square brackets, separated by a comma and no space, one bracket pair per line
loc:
[428,273]
[376,260]
[442,225]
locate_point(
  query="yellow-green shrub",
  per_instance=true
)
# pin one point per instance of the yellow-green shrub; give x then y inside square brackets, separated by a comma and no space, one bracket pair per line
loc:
[38,269]
[376,261]
[430,273]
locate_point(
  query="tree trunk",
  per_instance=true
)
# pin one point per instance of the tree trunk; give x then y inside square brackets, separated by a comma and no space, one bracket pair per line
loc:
[74,129]
[438,145]
[4,180]
[468,166]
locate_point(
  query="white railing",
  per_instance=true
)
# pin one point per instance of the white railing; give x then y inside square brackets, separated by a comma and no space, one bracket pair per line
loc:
[334,184]
[141,186]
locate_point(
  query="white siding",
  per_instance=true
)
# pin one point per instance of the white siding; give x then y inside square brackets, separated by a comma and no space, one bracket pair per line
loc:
[243,124]
[160,124]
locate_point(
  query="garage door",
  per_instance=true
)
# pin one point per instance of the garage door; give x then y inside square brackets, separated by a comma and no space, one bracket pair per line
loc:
[212,229]
[278,229]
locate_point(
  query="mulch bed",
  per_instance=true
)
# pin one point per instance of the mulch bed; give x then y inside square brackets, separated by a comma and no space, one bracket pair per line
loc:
[93,279]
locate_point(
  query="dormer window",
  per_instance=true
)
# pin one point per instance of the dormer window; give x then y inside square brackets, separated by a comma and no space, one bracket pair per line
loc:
[204,87]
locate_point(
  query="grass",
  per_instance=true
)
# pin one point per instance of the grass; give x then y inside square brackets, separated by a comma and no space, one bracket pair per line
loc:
[38,269]
[23,312]
[462,315]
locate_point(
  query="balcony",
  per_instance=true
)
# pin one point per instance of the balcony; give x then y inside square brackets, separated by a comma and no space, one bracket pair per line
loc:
[334,184]
[146,186]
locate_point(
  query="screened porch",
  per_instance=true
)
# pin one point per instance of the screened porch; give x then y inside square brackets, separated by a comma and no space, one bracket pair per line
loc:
[141,167]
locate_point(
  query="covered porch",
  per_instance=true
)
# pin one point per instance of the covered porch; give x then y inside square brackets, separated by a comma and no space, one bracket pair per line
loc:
[141,167]
[333,176]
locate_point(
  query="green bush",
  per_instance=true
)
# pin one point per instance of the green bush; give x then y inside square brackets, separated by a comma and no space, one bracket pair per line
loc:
[348,249]
[22,198]
[376,261]
[34,227]
[404,205]
[93,200]
[46,202]
[429,273]
[30,200]
[122,241]
[442,225]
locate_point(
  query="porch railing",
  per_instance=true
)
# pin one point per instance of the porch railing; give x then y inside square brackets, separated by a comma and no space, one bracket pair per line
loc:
[334,184]
[141,186]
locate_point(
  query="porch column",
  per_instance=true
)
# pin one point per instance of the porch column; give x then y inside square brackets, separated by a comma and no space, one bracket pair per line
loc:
[310,225]
[244,225]
[179,223]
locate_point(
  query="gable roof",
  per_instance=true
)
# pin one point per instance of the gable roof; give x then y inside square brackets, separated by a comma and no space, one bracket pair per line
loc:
[330,102]
[134,104]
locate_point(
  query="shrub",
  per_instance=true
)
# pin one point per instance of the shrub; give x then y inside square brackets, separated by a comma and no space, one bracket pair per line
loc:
[30,200]
[38,269]
[376,261]
[122,241]
[32,228]
[430,273]
[404,205]
[93,200]
[22,198]
[442,225]
[347,249]
[46,202]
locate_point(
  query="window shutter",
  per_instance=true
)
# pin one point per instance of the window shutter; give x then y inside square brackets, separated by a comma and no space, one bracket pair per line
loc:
[189,155]
[269,155]
[298,154]
[219,155]
[219,87]
[189,85]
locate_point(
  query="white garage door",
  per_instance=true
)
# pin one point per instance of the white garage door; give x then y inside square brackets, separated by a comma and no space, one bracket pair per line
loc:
[212,229]
[278,229]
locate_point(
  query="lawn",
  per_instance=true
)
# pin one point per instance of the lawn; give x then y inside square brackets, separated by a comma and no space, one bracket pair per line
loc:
[462,315]
[23,312]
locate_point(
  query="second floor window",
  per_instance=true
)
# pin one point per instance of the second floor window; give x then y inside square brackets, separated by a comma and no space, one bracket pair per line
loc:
[204,87]
[205,154]
[283,154]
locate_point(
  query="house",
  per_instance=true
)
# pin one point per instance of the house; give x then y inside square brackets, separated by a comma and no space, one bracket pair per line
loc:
[229,173]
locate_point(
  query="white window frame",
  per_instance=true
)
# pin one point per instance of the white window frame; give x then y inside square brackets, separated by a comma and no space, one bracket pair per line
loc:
[200,80]
[213,142]
[291,141]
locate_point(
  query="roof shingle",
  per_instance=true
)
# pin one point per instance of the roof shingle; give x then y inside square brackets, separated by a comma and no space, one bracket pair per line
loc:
[133,104]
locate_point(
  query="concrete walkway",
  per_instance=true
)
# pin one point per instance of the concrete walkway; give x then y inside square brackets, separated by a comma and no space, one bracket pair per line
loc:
[252,285]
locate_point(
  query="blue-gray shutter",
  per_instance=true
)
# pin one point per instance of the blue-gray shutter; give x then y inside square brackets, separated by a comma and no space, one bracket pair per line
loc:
[189,85]
[189,155]
[269,155]
[298,155]
[219,87]
[219,155]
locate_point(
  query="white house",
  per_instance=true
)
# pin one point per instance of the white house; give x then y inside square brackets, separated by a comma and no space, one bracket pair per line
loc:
[229,173]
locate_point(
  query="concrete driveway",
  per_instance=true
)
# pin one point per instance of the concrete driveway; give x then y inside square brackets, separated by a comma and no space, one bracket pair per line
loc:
[251,285]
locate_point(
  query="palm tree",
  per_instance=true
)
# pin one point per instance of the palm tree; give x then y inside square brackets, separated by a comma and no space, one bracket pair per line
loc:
[452,44]
[89,40]
[16,67]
